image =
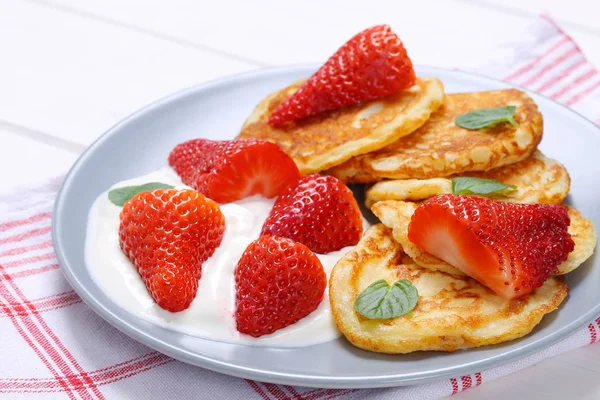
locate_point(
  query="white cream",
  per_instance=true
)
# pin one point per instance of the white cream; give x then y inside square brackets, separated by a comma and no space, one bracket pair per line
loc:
[211,314]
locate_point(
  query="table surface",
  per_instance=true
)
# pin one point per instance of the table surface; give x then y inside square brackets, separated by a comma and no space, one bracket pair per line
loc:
[72,68]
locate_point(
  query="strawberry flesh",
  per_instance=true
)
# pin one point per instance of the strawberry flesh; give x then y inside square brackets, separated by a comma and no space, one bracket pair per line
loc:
[168,235]
[318,211]
[231,170]
[510,248]
[278,282]
[371,65]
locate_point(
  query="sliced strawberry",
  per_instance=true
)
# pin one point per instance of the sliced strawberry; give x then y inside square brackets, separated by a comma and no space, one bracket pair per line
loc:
[278,282]
[168,234]
[230,170]
[510,248]
[371,65]
[318,211]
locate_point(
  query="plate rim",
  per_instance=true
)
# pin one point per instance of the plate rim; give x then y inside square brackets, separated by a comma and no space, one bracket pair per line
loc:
[296,379]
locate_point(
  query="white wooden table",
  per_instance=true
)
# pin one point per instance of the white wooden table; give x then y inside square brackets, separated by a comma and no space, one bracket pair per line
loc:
[69,69]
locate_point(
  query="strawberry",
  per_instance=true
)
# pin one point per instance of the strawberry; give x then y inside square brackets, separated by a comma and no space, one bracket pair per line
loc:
[278,282]
[317,211]
[371,65]
[230,170]
[186,157]
[510,248]
[168,234]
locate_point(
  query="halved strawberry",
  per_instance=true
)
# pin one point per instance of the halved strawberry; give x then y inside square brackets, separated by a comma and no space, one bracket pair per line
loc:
[318,211]
[371,65]
[168,234]
[510,248]
[278,282]
[230,170]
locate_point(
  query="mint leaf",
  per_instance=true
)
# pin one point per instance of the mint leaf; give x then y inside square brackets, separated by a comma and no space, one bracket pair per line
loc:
[469,185]
[120,195]
[486,117]
[382,301]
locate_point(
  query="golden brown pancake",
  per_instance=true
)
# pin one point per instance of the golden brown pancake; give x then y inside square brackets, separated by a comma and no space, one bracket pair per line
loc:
[330,138]
[441,148]
[538,179]
[397,215]
[452,312]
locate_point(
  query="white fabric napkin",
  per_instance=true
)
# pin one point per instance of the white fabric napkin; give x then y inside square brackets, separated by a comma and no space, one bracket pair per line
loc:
[53,346]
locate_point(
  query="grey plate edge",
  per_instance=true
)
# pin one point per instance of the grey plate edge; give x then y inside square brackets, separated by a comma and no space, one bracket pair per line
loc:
[284,378]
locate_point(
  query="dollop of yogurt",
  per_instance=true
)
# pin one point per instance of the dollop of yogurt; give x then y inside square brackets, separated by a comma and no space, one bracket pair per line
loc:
[211,314]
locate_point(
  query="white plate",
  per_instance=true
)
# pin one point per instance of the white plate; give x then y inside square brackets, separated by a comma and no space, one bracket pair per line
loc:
[216,110]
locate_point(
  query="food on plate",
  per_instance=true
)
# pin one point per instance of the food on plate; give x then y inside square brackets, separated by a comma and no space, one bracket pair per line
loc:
[119,196]
[211,315]
[397,216]
[363,98]
[473,239]
[381,300]
[278,282]
[487,117]
[167,234]
[537,179]
[511,248]
[322,141]
[584,235]
[441,147]
[371,65]
[452,312]
[230,170]
[317,211]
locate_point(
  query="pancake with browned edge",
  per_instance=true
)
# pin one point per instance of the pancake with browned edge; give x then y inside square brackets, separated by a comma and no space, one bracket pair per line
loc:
[441,148]
[330,138]
[538,180]
[452,312]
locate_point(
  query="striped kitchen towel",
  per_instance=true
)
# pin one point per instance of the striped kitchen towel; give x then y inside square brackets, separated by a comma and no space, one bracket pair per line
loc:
[53,346]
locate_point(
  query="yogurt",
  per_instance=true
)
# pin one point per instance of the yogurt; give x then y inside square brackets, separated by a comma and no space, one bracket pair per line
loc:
[211,314]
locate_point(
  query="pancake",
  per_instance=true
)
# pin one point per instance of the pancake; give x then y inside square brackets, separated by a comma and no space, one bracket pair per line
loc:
[585,237]
[538,179]
[452,312]
[330,138]
[441,148]
[397,215]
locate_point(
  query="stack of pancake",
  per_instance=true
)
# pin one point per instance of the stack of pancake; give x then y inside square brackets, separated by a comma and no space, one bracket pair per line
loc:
[406,148]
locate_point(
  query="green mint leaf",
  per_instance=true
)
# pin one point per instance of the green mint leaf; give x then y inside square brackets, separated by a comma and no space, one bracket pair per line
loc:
[382,301]
[486,117]
[469,185]
[120,195]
